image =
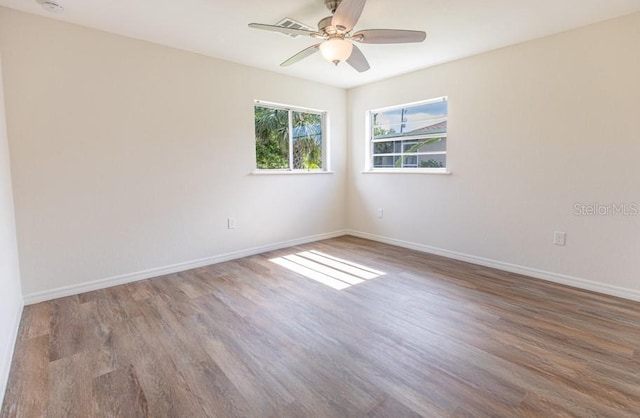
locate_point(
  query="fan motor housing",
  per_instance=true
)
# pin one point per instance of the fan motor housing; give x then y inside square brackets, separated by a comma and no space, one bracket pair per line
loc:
[332,4]
[324,26]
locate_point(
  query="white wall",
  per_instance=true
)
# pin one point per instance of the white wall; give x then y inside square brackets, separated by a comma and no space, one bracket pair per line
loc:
[129,156]
[10,294]
[533,129]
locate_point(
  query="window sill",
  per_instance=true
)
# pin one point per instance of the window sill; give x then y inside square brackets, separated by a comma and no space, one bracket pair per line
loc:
[407,171]
[288,172]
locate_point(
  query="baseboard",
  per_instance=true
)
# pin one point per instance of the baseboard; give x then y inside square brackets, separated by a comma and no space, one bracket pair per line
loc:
[60,292]
[576,282]
[5,367]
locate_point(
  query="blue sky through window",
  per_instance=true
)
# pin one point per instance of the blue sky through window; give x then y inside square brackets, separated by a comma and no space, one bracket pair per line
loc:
[411,118]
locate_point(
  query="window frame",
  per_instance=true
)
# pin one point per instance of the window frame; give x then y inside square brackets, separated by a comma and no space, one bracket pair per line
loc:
[325,140]
[370,141]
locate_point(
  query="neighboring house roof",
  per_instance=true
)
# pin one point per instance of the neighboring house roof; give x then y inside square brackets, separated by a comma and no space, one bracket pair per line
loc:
[435,128]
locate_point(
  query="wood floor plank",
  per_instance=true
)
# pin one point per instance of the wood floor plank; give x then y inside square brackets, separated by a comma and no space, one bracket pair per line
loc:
[36,320]
[68,333]
[118,394]
[250,380]
[139,290]
[391,408]
[418,335]
[70,393]
[27,390]
[165,387]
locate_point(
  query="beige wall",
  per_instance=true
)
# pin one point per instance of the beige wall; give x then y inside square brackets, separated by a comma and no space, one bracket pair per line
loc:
[129,157]
[533,130]
[10,294]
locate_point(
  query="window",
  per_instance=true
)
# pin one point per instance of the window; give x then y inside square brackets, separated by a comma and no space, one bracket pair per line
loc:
[289,138]
[411,136]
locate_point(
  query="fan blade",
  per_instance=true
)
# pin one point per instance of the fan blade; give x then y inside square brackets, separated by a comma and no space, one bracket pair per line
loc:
[388,36]
[286,31]
[347,14]
[301,55]
[358,61]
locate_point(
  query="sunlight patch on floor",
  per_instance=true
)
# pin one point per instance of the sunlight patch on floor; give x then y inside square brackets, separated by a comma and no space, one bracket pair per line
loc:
[326,269]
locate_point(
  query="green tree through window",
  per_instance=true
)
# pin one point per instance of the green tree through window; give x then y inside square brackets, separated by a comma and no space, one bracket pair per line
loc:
[288,139]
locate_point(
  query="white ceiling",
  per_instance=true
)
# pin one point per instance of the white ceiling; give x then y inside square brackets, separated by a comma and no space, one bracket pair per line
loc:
[218,28]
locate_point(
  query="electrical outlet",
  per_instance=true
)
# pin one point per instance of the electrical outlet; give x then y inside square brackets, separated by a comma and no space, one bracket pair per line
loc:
[560,238]
[231,223]
[380,213]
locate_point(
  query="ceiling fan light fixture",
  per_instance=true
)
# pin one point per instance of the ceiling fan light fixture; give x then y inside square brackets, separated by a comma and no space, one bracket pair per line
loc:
[336,32]
[336,50]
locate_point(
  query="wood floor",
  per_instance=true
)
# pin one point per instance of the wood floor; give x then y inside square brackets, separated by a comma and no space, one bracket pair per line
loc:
[250,338]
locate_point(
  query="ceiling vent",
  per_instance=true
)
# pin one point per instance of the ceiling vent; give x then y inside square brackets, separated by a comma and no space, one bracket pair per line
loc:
[289,23]
[51,6]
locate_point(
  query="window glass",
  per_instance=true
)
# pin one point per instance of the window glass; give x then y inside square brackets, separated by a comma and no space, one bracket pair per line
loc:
[288,139]
[410,136]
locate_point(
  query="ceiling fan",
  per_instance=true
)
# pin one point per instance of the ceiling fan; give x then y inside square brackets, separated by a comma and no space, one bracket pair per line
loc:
[337,37]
